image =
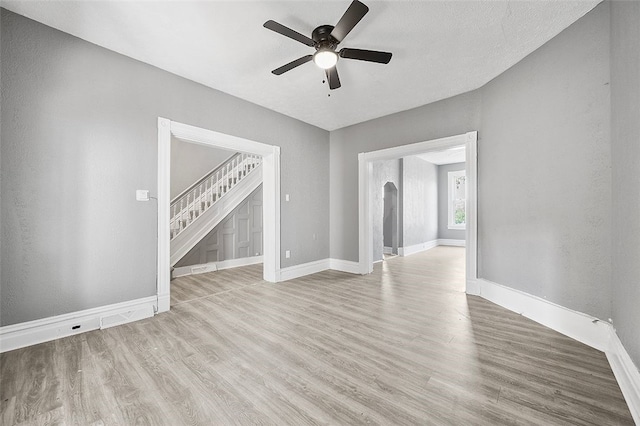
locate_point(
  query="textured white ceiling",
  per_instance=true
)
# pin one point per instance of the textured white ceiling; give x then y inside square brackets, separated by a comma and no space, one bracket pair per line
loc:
[440,48]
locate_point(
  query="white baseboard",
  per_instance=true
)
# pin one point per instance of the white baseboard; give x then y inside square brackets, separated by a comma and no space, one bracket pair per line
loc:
[183,271]
[449,242]
[43,330]
[301,270]
[234,263]
[582,327]
[387,250]
[472,288]
[626,373]
[344,266]
[417,248]
[164,302]
[298,271]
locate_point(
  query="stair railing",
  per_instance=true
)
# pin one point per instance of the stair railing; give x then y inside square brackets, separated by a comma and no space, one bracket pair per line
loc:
[200,196]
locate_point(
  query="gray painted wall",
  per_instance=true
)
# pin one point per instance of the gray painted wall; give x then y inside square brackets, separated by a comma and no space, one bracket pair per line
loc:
[383,172]
[419,201]
[625,158]
[237,236]
[544,171]
[451,116]
[543,163]
[191,161]
[79,136]
[443,203]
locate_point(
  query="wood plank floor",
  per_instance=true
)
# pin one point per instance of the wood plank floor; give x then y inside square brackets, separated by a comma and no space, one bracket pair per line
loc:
[402,346]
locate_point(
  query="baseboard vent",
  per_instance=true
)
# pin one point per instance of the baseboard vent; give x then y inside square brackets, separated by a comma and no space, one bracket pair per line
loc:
[43,330]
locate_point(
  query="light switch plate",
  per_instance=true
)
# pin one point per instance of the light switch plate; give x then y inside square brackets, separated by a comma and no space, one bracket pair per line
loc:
[142,195]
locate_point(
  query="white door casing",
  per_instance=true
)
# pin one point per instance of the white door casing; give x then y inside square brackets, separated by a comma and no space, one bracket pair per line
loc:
[271,202]
[365,171]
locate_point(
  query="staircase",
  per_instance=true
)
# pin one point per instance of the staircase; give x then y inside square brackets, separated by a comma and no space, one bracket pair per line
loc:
[203,205]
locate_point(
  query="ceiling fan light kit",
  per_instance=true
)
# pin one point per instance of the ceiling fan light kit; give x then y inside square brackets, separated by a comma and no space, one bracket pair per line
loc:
[325,40]
[325,59]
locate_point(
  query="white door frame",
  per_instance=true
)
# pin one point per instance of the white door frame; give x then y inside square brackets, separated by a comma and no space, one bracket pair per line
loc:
[365,175]
[270,187]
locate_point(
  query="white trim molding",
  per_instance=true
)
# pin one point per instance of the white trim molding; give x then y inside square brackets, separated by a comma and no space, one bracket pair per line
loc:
[316,266]
[183,271]
[46,329]
[449,242]
[344,266]
[627,374]
[579,326]
[303,269]
[365,174]
[417,248]
[270,186]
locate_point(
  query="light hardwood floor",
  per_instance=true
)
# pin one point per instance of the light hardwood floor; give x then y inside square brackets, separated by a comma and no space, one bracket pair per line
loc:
[402,346]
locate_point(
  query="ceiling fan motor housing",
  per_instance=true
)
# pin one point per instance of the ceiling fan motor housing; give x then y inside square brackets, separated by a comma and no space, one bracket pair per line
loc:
[322,37]
[325,39]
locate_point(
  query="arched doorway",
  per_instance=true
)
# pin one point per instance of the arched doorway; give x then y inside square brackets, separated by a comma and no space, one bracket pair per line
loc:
[390,219]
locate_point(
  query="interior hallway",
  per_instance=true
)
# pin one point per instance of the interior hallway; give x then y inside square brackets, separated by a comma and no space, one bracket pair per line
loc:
[403,345]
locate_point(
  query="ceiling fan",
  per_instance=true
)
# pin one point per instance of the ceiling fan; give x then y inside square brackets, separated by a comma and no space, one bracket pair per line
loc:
[325,39]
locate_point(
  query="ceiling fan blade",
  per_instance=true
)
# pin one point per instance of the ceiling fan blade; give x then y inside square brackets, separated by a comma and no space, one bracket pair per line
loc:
[291,65]
[366,55]
[332,78]
[351,17]
[288,32]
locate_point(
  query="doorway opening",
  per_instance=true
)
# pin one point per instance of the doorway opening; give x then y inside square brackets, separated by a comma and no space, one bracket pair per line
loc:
[270,154]
[366,178]
[390,220]
[216,208]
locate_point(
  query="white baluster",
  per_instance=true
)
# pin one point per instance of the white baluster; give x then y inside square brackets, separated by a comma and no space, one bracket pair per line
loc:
[188,215]
[234,165]
[172,221]
[198,205]
[207,190]
[217,185]
[181,213]
[235,170]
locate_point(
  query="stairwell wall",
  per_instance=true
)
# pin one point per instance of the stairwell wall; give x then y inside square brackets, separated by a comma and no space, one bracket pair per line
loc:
[191,161]
[79,136]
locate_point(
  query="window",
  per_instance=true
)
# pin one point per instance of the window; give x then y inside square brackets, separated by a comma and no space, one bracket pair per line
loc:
[457,199]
